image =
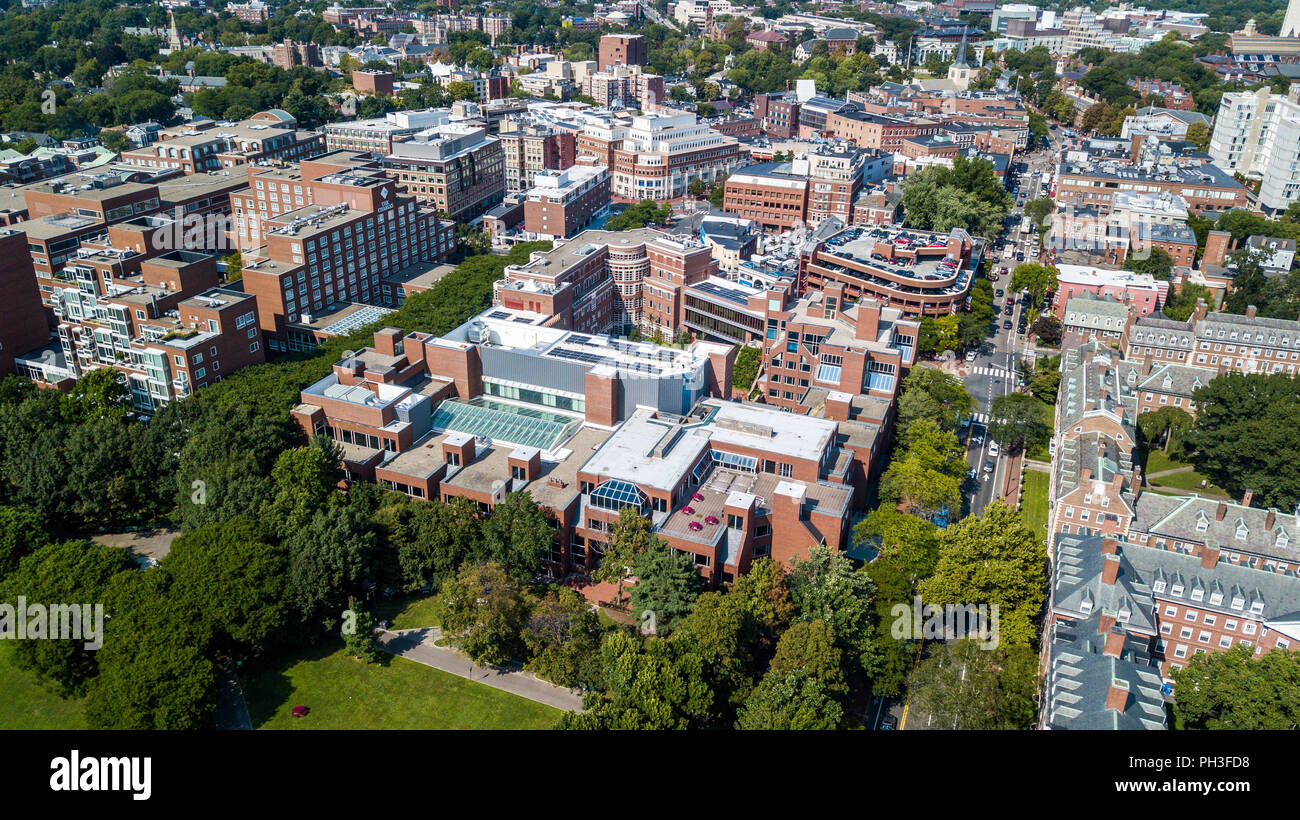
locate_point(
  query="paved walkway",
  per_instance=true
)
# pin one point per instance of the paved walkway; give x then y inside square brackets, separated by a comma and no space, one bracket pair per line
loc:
[232,711]
[1185,469]
[418,645]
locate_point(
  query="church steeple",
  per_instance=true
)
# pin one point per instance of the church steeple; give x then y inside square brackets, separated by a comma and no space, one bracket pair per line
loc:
[961,51]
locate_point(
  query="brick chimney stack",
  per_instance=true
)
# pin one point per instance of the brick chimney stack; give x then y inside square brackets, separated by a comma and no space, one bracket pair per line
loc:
[1117,695]
[1220,511]
[1114,646]
[1247,498]
[1209,557]
[1110,570]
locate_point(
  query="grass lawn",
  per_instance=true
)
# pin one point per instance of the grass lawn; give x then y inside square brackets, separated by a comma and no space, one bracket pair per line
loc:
[397,694]
[408,613]
[27,703]
[1157,462]
[1187,481]
[1033,502]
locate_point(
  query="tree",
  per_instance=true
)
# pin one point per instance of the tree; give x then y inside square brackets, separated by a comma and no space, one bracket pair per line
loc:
[1235,690]
[645,212]
[648,683]
[21,533]
[992,559]
[462,90]
[304,479]
[359,637]
[154,672]
[563,640]
[1247,436]
[790,700]
[938,335]
[922,491]
[484,612]
[328,561]
[68,573]
[1039,280]
[1038,210]
[1155,261]
[1048,329]
[518,535]
[825,587]
[433,539]
[930,393]
[114,141]
[1182,304]
[810,646]
[629,537]
[764,594]
[722,632]
[1019,422]
[962,686]
[237,579]
[667,584]
[1168,425]
[1198,134]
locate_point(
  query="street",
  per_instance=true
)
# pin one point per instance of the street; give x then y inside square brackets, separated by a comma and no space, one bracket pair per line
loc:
[994,372]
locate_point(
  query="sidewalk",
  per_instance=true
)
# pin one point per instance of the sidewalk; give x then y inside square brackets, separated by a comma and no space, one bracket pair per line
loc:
[418,645]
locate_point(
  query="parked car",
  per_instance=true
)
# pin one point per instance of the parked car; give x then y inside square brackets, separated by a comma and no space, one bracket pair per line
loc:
[988,466]
[999,292]
[993,449]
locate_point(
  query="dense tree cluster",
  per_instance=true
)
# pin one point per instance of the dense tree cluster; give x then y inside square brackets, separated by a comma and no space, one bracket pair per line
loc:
[968,195]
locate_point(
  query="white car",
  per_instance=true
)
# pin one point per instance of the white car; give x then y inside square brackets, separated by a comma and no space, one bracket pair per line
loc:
[993,449]
[970,355]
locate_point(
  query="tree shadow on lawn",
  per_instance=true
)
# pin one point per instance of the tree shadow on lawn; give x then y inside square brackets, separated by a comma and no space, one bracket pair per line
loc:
[266,683]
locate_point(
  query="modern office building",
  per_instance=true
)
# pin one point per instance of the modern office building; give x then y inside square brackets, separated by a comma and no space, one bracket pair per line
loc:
[456,168]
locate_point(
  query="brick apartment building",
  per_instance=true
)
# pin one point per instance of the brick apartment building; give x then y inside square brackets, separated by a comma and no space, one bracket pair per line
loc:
[564,202]
[457,168]
[532,148]
[622,49]
[197,148]
[22,320]
[324,234]
[380,134]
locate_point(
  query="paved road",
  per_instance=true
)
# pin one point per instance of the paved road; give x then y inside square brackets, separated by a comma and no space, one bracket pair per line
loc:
[418,645]
[994,372]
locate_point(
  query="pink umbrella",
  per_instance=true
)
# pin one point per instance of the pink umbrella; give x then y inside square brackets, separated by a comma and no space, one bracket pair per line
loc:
[697,497]
[695,525]
[710,519]
[689,510]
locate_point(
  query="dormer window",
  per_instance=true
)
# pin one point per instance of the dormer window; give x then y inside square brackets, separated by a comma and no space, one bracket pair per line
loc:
[1085,606]
[1177,590]
[1202,522]
[1216,598]
[1242,531]
[1198,594]
[1238,602]
[1158,586]
[1256,607]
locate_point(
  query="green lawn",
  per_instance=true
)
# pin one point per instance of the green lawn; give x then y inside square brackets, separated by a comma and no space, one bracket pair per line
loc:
[408,613]
[1033,502]
[1187,481]
[1157,462]
[27,703]
[398,694]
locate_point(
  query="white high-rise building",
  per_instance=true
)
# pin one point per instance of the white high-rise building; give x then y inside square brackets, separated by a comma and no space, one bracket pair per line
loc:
[1258,135]
[1291,23]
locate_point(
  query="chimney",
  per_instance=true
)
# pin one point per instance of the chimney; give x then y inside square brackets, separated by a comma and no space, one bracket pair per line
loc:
[1220,511]
[1110,569]
[1118,483]
[1201,310]
[1114,646]
[868,320]
[1251,310]
[1247,498]
[1117,695]
[1085,475]
[1146,364]
[1270,519]
[1209,557]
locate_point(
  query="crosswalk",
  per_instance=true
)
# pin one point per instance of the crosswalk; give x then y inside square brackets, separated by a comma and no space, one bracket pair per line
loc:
[991,371]
[981,418]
